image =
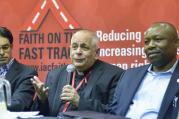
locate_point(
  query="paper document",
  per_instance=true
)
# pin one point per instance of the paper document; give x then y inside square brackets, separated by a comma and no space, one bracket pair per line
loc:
[14,115]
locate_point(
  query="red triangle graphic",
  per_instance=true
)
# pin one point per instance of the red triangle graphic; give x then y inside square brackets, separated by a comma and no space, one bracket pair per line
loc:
[41,10]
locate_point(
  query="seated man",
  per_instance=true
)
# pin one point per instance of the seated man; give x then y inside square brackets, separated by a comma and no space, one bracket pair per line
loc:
[91,87]
[152,91]
[16,73]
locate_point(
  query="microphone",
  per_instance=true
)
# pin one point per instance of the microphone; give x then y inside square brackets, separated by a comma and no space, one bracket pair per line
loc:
[70,68]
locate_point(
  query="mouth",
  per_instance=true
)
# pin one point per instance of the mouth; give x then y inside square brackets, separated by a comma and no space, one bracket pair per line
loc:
[3,58]
[153,54]
[79,60]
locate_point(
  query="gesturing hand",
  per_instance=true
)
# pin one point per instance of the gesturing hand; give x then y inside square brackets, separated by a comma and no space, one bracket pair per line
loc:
[40,89]
[70,94]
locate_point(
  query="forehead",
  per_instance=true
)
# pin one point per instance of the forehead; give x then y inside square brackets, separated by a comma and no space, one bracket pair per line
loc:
[4,41]
[158,30]
[82,37]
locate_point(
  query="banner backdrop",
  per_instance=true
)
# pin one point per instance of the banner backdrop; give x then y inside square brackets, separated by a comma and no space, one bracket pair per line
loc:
[42,29]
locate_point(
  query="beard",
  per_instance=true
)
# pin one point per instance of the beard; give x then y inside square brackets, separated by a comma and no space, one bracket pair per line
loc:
[161,60]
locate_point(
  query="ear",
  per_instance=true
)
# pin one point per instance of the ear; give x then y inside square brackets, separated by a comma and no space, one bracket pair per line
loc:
[97,53]
[11,45]
[70,52]
[177,43]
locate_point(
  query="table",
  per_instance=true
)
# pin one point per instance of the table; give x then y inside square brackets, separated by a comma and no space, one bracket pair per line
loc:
[82,115]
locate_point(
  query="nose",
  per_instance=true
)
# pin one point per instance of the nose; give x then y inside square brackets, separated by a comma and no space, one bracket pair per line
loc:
[79,50]
[151,44]
[1,51]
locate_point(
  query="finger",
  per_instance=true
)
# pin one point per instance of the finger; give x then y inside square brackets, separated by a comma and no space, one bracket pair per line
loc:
[66,97]
[71,98]
[40,88]
[66,90]
[68,87]
[71,95]
[66,94]
[33,80]
[42,92]
[34,84]
[45,89]
[37,80]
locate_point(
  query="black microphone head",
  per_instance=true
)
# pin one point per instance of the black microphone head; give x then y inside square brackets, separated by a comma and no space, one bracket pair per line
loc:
[70,68]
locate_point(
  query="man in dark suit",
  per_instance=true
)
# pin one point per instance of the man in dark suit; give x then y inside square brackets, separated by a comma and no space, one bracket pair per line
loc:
[91,87]
[16,73]
[152,91]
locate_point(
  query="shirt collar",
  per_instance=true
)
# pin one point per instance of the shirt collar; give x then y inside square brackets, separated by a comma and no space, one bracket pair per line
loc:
[171,70]
[8,64]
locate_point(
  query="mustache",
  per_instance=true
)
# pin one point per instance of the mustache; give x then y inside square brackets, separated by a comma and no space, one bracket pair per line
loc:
[149,52]
[78,57]
[3,57]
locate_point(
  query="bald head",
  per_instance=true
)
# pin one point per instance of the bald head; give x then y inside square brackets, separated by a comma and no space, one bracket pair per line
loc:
[90,35]
[164,26]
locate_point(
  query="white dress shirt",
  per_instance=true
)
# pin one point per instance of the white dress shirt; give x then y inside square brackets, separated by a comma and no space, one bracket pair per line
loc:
[148,98]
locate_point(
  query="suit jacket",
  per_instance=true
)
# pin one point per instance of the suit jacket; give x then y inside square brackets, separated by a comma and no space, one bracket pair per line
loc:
[22,90]
[97,92]
[128,85]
